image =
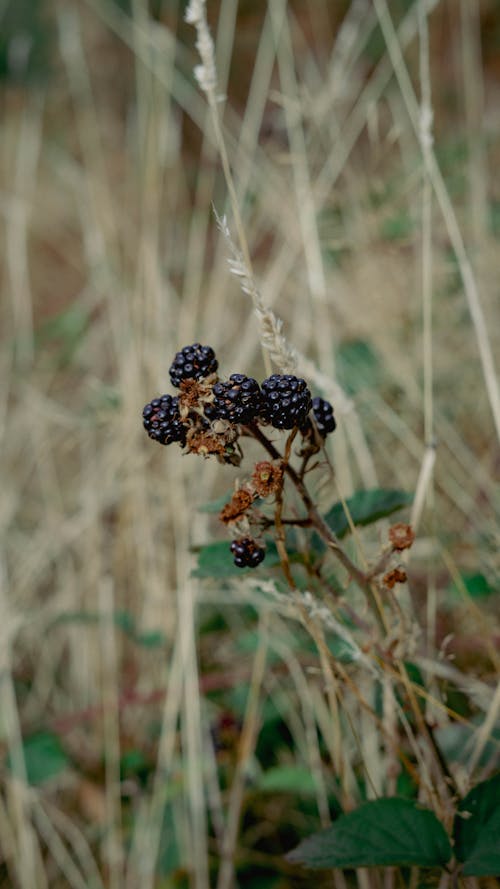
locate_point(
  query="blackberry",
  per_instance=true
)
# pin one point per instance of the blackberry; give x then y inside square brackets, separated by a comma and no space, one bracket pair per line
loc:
[247,553]
[192,363]
[323,415]
[238,400]
[286,401]
[162,420]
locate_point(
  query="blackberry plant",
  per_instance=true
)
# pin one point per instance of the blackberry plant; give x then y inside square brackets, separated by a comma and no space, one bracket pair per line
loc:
[210,416]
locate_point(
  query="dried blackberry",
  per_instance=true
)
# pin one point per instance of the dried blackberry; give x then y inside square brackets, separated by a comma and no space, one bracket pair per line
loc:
[247,553]
[162,421]
[239,400]
[286,401]
[193,363]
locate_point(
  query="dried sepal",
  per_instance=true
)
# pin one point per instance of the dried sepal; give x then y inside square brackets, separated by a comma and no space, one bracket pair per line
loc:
[401,536]
[396,575]
[267,477]
[240,502]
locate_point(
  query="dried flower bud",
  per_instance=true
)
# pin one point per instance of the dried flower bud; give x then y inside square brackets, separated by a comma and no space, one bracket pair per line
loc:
[267,478]
[397,575]
[205,442]
[196,394]
[401,536]
[237,506]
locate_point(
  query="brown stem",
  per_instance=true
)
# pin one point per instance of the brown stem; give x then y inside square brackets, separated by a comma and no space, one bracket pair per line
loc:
[280,531]
[323,529]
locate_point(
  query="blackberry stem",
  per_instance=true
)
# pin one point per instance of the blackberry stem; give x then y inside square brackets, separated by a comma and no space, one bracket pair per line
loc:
[325,532]
[280,531]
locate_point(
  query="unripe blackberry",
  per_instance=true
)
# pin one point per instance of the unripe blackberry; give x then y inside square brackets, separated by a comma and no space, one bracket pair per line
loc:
[286,401]
[247,553]
[323,415]
[162,421]
[238,400]
[193,363]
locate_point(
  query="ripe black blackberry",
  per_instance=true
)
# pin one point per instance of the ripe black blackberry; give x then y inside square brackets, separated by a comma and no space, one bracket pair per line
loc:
[239,400]
[193,363]
[286,401]
[247,553]
[323,415]
[162,420]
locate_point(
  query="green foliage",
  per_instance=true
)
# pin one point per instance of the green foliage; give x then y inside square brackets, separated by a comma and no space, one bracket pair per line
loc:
[169,857]
[288,779]
[43,756]
[358,366]
[477,829]
[122,619]
[365,508]
[400,832]
[376,44]
[26,38]
[342,649]
[397,227]
[494,218]
[386,832]
[66,331]
[456,741]
[477,586]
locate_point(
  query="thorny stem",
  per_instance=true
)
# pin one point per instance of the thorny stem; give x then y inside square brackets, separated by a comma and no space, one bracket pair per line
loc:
[317,521]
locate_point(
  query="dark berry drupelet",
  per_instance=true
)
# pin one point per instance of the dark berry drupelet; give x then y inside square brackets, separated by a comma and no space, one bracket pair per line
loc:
[162,420]
[193,363]
[286,401]
[323,415]
[238,400]
[247,553]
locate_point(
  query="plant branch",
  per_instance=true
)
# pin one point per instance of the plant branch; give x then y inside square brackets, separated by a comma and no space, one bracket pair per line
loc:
[323,529]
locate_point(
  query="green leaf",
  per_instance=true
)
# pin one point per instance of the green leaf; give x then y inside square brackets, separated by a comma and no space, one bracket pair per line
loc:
[287,779]
[397,227]
[151,639]
[388,832]
[43,755]
[366,507]
[477,586]
[477,829]
[342,649]
[216,560]
[456,741]
[358,366]
[485,859]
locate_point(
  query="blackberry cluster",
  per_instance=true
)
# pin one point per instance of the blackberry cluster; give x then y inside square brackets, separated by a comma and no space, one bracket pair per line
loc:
[323,415]
[286,401]
[189,418]
[247,553]
[162,420]
[238,400]
[193,363]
